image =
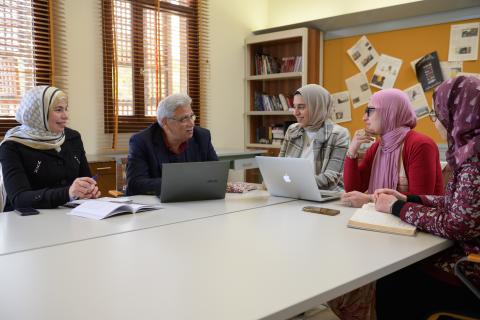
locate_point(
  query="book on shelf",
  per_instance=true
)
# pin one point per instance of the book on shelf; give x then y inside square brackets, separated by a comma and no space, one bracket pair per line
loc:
[368,218]
[273,134]
[284,102]
[265,102]
[100,209]
[266,64]
[291,64]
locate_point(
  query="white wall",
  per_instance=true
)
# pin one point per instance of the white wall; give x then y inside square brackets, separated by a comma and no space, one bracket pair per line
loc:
[285,12]
[85,82]
[230,23]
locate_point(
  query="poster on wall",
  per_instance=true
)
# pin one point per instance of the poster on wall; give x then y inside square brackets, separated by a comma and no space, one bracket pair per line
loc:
[419,101]
[341,107]
[450,69]
[358,89]
[363,54]
[428,71]
[463,42]
[386,72]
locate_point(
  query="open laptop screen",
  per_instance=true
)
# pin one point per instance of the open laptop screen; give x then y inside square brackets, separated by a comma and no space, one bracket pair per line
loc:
[190,181]
[292,178]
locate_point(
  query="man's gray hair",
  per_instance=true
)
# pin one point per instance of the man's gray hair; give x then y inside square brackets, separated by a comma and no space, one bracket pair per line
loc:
[167,107]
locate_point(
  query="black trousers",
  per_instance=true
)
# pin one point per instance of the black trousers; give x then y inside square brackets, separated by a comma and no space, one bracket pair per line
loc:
[412,293]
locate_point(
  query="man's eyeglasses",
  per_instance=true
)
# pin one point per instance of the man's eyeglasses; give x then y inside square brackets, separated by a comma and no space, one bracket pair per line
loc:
[433,116]
[185,119]
[369,110]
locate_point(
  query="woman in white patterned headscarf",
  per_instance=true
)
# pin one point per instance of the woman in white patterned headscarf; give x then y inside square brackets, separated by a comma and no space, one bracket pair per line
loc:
[43,161]
[315,136]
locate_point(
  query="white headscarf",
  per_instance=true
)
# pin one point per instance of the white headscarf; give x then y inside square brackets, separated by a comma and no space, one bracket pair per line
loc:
[33,117]
[319,104]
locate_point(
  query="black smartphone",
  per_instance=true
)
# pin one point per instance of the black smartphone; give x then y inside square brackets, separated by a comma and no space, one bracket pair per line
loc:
[320,210]
[26,211]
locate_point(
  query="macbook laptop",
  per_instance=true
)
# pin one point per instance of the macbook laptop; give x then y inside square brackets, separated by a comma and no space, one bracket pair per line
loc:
[292,178]
[190,181]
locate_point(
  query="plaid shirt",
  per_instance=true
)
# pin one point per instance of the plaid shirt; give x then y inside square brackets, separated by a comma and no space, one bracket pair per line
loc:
[329,149]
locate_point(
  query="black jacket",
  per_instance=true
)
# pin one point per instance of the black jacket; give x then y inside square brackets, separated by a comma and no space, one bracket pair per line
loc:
[41,178]
[148,151]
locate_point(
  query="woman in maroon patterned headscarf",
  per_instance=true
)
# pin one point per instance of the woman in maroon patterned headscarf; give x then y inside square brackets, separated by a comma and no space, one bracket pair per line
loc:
[455,216]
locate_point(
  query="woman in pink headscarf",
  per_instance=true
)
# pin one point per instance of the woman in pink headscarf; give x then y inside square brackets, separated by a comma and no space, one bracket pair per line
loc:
[455,216]
[403,159]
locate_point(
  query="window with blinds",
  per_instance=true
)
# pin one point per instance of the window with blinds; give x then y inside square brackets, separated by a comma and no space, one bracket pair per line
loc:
[25,53]
[151,49]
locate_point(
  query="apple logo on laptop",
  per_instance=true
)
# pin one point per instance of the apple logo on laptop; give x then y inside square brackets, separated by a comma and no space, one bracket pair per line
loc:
[286,178]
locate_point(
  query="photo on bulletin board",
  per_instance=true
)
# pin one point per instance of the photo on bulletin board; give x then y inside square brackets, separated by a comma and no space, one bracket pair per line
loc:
[386,72]
[358,89]
[363,54]
[450,69]
[341,107]
[416,95]
[463,42]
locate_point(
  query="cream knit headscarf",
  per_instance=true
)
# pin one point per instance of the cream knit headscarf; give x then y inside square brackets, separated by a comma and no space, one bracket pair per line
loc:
[319,105]
[33,117]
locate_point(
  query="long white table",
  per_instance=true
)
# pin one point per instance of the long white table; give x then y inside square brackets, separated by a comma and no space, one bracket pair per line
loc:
[54,226]
[270,262]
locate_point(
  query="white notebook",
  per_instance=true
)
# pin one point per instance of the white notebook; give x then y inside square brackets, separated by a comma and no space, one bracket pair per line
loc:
[99,209]
[370,219]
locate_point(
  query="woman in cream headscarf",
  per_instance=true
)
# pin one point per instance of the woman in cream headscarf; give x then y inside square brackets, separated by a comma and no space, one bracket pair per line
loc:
[43,161]
[316,137]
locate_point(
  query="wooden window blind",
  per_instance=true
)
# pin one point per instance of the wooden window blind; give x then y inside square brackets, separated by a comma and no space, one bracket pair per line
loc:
[151,49]
[27,50]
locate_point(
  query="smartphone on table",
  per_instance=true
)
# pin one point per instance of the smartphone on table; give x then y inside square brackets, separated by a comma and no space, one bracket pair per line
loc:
[27,211]
[321,210]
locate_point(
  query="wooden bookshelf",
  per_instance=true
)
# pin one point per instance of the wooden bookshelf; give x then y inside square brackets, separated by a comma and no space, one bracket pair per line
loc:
[277,46]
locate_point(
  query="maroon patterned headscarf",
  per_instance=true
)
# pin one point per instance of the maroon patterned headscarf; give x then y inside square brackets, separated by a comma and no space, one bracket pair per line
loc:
[457,105]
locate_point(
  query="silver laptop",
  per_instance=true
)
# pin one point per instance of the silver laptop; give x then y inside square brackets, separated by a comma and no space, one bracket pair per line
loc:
[292,178]
[190,181]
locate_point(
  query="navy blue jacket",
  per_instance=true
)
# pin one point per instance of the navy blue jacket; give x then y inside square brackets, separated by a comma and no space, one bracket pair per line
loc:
[147,152]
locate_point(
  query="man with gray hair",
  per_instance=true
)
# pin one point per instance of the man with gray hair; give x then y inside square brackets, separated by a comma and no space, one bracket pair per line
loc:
[173,138]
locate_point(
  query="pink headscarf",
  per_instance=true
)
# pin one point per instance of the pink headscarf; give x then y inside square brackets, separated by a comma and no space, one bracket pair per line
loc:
[397,117]
[457,104]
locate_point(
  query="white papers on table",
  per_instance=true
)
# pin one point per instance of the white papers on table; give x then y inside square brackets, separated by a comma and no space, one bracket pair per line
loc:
[363,54]
[341,107]
[450,69]
[386,72]
[419,101]
[463,42]
[359,89]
